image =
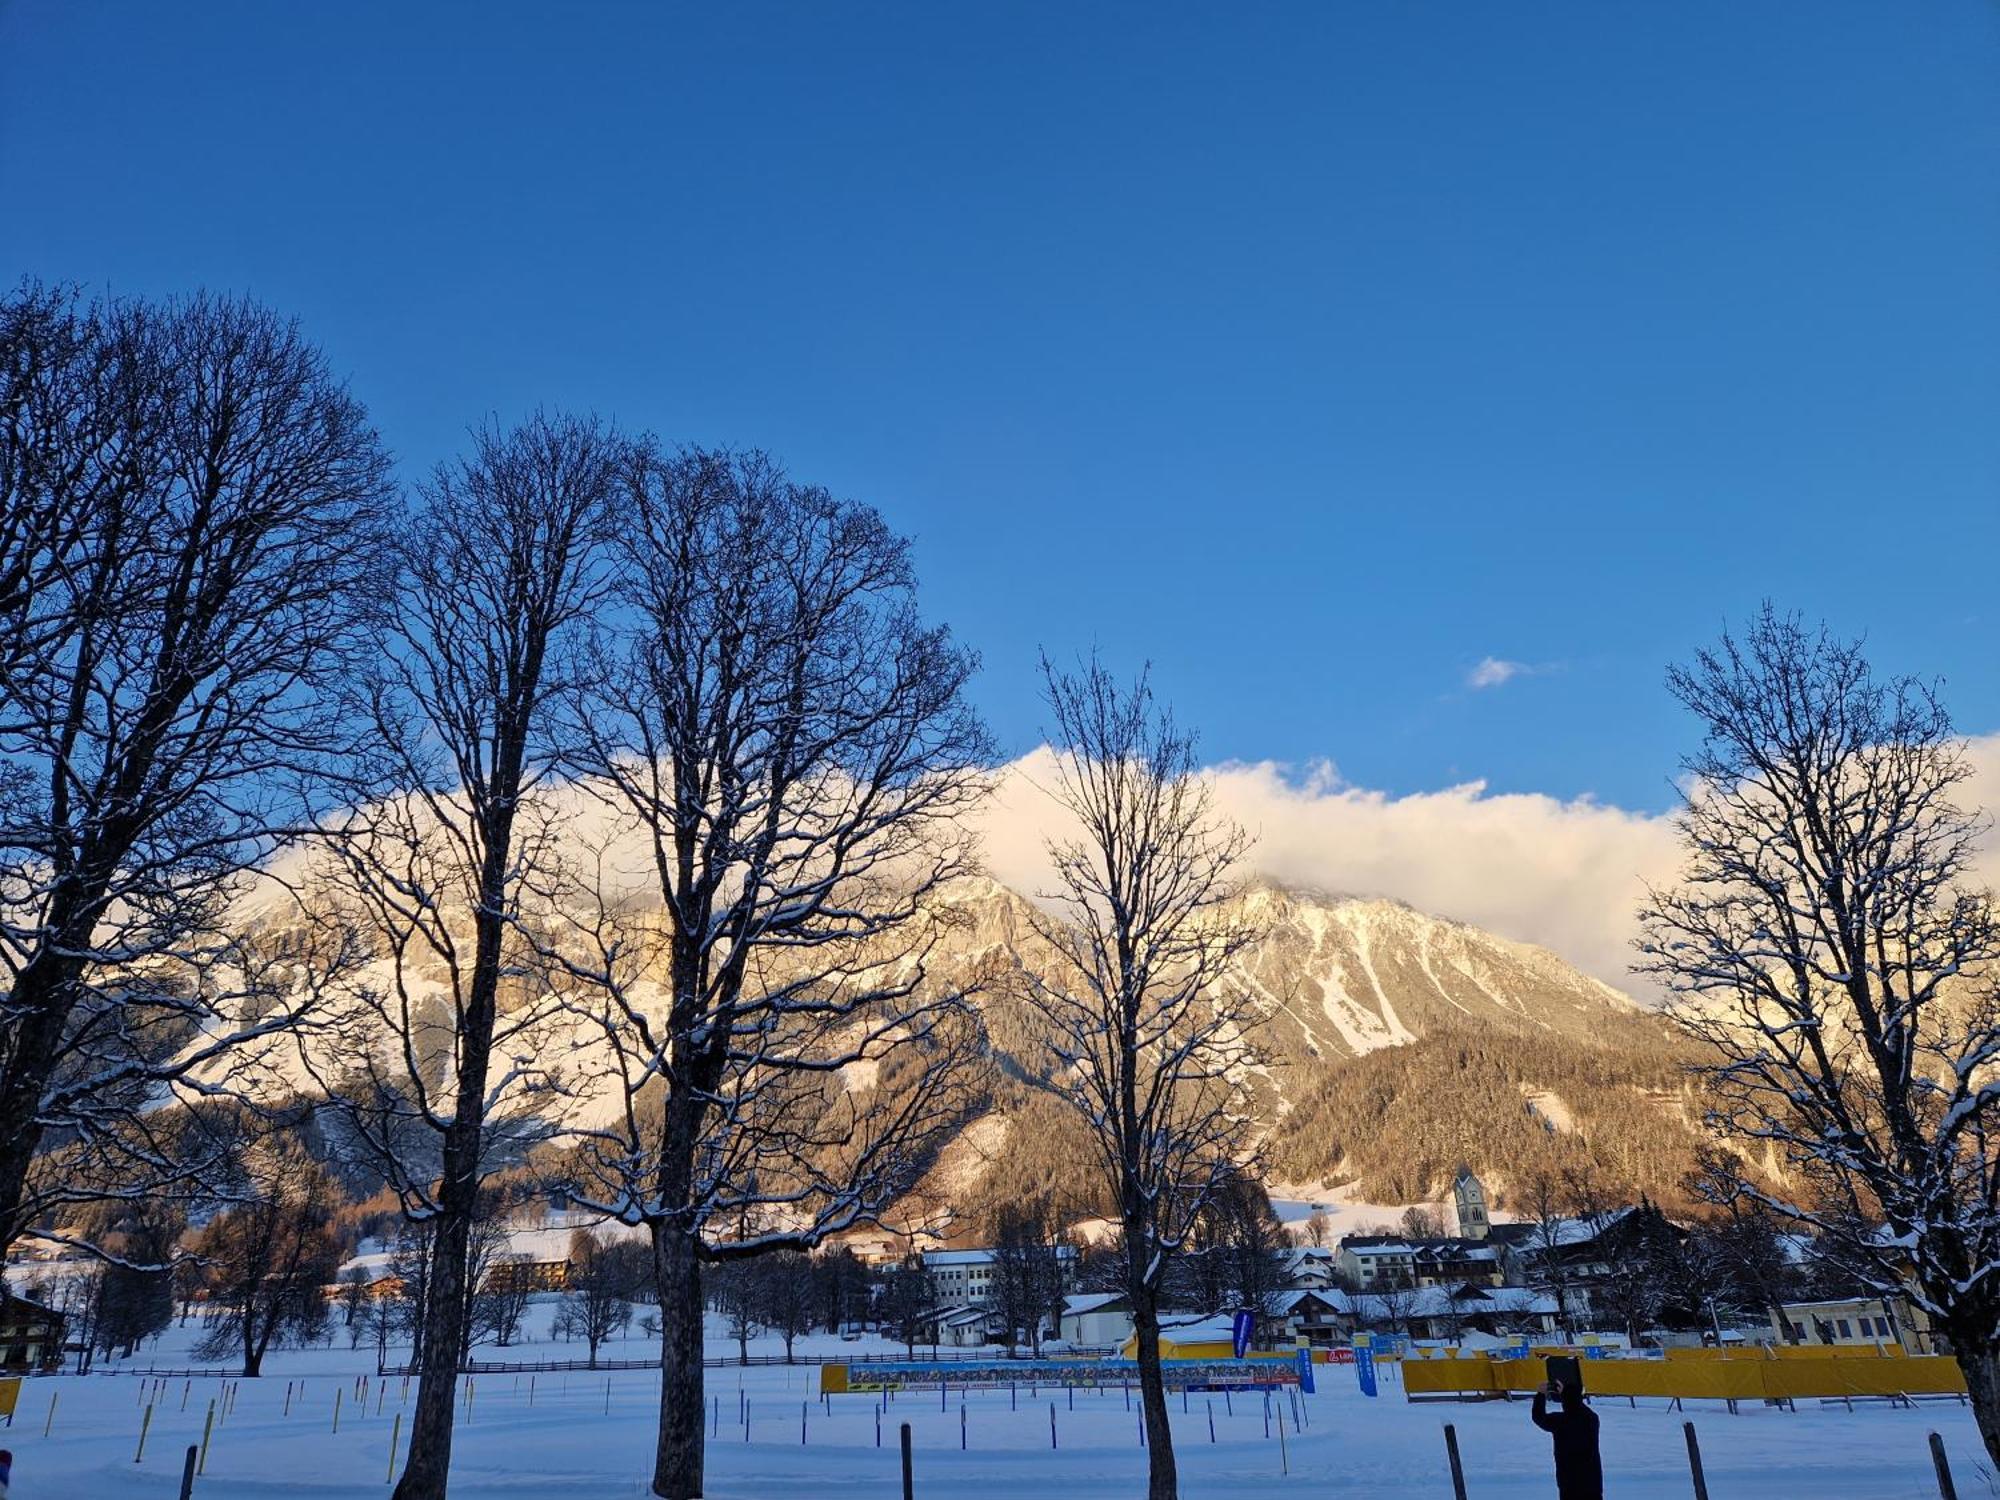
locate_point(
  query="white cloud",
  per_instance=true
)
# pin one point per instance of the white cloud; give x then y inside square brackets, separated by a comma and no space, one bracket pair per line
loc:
[1568,875]
[1493,671]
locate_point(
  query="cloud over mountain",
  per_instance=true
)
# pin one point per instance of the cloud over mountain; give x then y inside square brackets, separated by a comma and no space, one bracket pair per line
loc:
[1567,874]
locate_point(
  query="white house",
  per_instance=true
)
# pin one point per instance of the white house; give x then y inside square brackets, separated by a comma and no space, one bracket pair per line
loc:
[1096,1319]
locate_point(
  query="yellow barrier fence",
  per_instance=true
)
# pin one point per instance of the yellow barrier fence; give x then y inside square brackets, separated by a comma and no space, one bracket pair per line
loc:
[1698,1379]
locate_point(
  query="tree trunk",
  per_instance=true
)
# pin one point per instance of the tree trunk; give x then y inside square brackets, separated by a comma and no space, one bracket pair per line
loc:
[678,1458]
[429,1463]
[1980,1362]
[44,994]
[1162,1478]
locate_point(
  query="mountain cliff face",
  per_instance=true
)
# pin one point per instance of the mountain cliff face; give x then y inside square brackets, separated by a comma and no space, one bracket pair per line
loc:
[1398,1046]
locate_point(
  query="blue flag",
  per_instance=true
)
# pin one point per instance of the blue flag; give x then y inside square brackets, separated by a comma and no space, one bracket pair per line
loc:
[1305,1372]
[1245,1322]
[1364,1368]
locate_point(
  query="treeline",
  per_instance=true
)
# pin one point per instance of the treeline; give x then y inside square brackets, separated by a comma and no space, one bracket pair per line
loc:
[1399,1122]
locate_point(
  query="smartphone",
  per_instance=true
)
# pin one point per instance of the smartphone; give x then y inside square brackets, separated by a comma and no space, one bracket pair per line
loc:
[1567,1370]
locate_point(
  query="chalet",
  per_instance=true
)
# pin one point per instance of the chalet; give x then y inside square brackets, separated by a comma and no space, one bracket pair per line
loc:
[1321,1318]
[31,1336]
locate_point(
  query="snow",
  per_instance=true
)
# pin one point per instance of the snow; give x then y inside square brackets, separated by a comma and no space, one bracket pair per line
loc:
[565,1442]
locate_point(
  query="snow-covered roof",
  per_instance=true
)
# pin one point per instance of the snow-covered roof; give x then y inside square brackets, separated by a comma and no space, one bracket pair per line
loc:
[1442,1301]
[1333,1297]
[1088,1302]
[958,1257]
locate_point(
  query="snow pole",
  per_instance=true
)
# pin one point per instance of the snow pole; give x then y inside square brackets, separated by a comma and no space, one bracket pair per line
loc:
[395,1437]
[288,1400]
[50,1421]
[531,1390]
[1228,1406]
[1457,1468]
[802,1423]
[1142,1427]
[207,1432]
[961,1427]
[1284,1462]
[1126,1387]
[337,1394]
[878,1424]
[1210,1404]
[1012,1404]
[381,1394]
[1694,1463]
[607,1395]
[1946,1488]
[1071,1391]
[1052,1426]
[909,1481]
[145,1424]
[187,1474]
[1267,1414]
[715,1427]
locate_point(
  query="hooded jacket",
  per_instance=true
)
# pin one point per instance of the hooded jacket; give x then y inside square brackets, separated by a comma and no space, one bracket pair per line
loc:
[1579,1471]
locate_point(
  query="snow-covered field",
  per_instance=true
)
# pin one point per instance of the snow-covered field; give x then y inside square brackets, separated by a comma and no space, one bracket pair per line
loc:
[585,1435]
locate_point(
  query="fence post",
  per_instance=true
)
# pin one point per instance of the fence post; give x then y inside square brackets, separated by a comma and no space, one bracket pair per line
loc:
[1694,1463]
[1457,1469]
[909,1482]
[1945,1487]
[187,1473]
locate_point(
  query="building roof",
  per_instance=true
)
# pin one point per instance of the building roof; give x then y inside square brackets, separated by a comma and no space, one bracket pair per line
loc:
[1090,1302]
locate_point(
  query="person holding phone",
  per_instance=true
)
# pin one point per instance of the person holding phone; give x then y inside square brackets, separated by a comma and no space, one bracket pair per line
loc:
[1573,1426]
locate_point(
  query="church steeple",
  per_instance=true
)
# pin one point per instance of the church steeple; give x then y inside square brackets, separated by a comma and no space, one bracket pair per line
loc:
[1469,1196]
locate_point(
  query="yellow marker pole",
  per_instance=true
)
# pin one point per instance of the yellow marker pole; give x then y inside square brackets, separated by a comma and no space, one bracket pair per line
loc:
[144,1427]
[395,1437]
[207,1431]
[51,1421]
[337,1394]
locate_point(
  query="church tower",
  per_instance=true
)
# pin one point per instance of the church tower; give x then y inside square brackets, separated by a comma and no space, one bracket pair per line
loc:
[1470,1197]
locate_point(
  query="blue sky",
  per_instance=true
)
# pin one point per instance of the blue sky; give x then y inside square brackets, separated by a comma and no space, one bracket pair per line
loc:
[1318,353]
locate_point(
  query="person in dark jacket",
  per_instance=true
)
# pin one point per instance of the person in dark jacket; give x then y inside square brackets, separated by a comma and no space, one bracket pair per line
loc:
[1579,1471]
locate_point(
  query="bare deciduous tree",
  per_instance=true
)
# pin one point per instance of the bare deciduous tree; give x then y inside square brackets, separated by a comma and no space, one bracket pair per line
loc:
[1828,943]
[1151,1034]
[431,1055]
[192,507]
[790,751]
[268,1261]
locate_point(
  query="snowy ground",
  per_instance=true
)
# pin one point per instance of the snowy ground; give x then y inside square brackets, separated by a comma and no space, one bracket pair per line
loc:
[567,1443]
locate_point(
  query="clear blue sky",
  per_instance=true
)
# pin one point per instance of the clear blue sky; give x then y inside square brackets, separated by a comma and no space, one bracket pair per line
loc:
[1315,352]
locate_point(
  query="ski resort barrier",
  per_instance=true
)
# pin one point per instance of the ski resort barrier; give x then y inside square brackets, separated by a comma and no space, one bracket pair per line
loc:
[1707,1375]
[1256,1372]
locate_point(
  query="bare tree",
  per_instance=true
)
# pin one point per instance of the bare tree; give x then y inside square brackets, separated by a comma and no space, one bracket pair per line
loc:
[438,1070]
[604,1276]
[790,752]
[907,1303]
[1030,1270]
[1317,1229]
[270,1260]
[1828,943]
[1151,1036]
[192,505]
[784,1294]
[1421,1221]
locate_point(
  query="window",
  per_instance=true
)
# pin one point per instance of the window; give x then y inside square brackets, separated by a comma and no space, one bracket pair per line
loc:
[1799,1331]
[1841,1326]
